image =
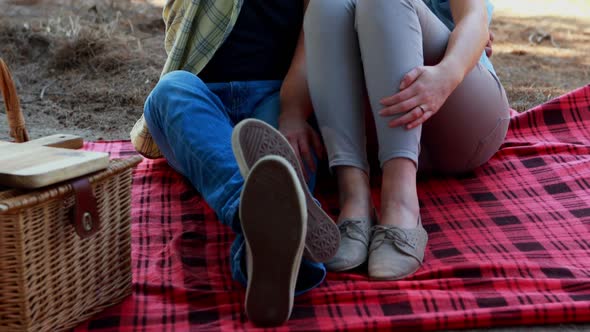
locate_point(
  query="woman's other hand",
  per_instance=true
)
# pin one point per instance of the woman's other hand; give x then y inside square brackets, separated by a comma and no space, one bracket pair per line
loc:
[488,48]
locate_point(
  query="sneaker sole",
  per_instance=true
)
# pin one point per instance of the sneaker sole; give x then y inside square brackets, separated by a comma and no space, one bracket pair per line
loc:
[274,224]
[253,139]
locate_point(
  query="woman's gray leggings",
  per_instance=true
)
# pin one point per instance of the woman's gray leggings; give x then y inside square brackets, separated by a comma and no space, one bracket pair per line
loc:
[360,47]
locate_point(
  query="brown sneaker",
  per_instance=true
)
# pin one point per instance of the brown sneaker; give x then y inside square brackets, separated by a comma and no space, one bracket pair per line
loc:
[273,217]
[253,139]
[396,253]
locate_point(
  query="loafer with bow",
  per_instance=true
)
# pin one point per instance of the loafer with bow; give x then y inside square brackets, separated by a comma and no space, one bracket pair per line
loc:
[396,253]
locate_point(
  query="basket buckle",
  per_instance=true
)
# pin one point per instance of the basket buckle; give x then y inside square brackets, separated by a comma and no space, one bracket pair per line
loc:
[85,217]
[87,221]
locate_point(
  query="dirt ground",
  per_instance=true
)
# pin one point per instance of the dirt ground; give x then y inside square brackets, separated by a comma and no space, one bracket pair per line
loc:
[81,67]
[543,53]
[85,67]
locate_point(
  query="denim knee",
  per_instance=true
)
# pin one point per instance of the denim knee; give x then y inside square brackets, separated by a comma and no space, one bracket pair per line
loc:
[178,78]
[169,86]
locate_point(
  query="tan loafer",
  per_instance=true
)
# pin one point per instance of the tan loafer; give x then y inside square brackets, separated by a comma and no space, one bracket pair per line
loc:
[396,253]
[354,244]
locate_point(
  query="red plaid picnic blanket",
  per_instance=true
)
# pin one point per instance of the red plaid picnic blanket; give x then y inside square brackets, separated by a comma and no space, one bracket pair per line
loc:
[509,245]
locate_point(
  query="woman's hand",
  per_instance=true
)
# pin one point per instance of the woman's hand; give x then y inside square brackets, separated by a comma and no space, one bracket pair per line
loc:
[303,138]
[423,91]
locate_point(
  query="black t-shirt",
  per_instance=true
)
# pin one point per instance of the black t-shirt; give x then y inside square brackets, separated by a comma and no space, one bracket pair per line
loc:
[261,44]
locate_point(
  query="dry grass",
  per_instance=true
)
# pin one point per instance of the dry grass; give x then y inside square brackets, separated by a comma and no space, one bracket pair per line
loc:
[79,50]
[536,8]
[536,72]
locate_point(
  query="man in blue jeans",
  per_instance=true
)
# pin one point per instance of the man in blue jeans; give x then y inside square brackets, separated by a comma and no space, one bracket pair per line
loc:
[257,72]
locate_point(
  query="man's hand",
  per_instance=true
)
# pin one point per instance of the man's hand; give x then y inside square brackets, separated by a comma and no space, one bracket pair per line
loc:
[303,138]
[488,48]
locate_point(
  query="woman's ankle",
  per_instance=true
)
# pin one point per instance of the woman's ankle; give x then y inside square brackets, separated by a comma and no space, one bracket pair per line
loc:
[360,207]
[403,215]
[399,197]
[355,193]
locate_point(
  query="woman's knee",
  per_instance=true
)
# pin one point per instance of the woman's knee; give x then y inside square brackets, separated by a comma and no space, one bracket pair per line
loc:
[370,10]
[320,13]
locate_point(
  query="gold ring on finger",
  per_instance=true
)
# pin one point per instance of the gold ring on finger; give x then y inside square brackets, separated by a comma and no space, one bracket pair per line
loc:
[422,109]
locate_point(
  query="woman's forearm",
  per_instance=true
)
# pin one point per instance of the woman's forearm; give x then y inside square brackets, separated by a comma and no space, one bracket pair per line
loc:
[468,39]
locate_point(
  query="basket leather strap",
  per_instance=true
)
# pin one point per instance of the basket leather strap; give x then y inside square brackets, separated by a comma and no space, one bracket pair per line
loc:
[85,215]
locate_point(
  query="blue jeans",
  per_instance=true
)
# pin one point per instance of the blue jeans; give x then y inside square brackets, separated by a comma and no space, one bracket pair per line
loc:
[192,123]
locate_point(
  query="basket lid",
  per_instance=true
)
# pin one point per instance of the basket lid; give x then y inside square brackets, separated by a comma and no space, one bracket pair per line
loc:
[13,200]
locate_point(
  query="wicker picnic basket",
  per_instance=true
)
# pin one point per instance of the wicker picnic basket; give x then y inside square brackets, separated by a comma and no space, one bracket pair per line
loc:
[51,277]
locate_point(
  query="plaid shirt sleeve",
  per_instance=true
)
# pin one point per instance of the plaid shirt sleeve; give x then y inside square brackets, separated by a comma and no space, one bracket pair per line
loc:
[195,29]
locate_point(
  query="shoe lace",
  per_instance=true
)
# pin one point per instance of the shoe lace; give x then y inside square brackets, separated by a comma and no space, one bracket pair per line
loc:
[347,227]
[394,234]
